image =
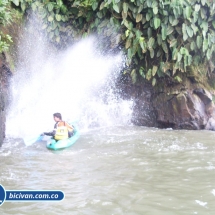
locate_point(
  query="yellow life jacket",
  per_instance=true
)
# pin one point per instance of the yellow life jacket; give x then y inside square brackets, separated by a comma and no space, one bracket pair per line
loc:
[61,133]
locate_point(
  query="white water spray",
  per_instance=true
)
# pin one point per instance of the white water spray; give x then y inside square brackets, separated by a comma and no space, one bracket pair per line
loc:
[75,82]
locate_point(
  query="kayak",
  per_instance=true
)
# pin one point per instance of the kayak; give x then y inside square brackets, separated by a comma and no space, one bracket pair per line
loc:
[61,144]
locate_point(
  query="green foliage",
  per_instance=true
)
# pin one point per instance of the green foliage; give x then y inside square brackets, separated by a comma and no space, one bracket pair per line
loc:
[5,19]
[161,38]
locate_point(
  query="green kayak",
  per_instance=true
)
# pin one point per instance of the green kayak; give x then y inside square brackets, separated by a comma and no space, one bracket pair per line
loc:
[61,144]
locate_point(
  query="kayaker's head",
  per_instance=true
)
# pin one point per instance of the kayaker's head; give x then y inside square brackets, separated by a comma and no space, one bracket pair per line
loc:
[57,117]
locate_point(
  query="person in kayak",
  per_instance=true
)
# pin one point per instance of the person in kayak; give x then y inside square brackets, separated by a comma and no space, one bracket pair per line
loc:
[62,130]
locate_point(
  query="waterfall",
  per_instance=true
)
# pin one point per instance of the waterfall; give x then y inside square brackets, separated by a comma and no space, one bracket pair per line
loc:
[77,82]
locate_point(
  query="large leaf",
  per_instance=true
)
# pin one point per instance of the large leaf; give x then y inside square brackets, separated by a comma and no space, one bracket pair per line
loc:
[157,22]
[95,5]
[184,51]
[128,43]
[189,31]
[188,12]
[179,57]
[125,7]
[189,60]
[174,54]
[139,17]
[58,17]
[152,53]
[205,45]
[140,8]
[195,29]
[175,22]
[209,54]
[195,16]
[197,7]
[164,46]
[164,32]
[149,74]
[149,32]
[155,10]
[185,36]
[50,18]
[16,2]
[124,15]
[141,71]
[102,5]
[154,70]
[199,41]
[203,2]
[50,6]
[133,76]
[178,79]
[151,42]
[192,45]
[169,30]
[116,8]
[159,39]
[153,81]
[142,42]
[173,42]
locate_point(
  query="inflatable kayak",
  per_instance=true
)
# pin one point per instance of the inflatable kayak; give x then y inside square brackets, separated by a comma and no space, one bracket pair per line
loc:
[61,144]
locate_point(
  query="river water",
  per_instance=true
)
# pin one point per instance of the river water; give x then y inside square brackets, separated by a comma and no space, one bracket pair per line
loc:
[116,170]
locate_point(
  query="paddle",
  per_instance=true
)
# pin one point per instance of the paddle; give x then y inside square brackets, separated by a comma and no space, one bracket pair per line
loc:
[30,140]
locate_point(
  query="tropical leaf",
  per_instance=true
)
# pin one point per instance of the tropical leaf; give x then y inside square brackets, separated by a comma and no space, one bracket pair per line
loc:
[197,7]
[155,10]
[134,76]
[157,22]
[50,18]
[173,42]
[164,46]
[185,36]
[149,74]
[139,17]
[116,8]
[199,41]
[151,42]
[95,5]
[154,70]
[164,32]
[152,53]
[58,17]
[125,7]
[189,31]
[178,79]
[159,39]
[16,2]
[154,81]
[205,45]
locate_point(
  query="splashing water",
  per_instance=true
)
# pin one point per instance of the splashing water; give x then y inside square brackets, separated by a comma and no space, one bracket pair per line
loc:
[76,82]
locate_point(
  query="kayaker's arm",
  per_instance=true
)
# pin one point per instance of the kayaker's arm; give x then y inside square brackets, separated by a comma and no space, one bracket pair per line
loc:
[50,133]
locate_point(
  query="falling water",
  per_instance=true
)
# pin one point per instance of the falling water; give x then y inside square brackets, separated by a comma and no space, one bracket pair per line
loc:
[77,82]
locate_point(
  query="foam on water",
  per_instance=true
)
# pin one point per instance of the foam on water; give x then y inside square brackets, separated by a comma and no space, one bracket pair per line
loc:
[77,82]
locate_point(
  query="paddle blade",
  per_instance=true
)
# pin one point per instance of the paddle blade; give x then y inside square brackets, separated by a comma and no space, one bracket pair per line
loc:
[30,140]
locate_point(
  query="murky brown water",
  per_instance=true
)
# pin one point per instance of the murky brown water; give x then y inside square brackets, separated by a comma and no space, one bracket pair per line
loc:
[116,171]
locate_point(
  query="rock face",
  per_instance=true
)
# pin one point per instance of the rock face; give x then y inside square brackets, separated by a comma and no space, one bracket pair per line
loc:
[183,106]
[143,112]
[5,74]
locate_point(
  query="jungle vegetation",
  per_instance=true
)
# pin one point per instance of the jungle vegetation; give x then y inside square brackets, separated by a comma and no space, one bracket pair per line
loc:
[160,38]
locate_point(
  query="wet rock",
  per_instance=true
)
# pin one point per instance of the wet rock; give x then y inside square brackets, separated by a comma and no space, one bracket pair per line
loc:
[5,74]
[143,111]
[182,111]
[204,95]
[182,106]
